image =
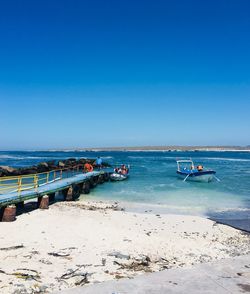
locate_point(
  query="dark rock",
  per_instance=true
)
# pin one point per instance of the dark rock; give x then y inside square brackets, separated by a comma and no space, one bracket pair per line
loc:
[51,164]
[42,167]
[7,170]
[61,164]
[45,164]
[68,163]
[82,160]
[72,159]
[29,171]
[16,172]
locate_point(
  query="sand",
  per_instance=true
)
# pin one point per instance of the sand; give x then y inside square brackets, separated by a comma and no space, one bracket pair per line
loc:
[74,243]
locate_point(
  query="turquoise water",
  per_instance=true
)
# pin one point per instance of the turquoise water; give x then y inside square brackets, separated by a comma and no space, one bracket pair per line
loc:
[153,180]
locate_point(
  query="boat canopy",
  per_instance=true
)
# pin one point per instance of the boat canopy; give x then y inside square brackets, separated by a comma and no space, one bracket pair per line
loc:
[187,164]
[185,161]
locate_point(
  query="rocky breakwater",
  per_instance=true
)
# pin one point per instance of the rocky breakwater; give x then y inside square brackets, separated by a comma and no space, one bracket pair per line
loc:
[70,163]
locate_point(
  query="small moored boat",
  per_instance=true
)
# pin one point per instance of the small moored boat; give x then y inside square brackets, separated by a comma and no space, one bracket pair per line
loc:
[118,176]
[120,173]
[187,171]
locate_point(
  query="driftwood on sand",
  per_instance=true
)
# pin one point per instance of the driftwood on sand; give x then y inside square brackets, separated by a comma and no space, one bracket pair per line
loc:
[80,278]
[11,248]
[24,273]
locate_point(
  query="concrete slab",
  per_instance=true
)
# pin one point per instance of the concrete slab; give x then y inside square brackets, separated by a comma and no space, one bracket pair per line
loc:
[220,277]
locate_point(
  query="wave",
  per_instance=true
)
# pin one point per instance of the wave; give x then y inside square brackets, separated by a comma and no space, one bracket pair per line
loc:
[225,159]
[21,157]
[210,158]
[234,209]
[171,158]
[8,157]
[148,157]
[11,157]
[137,157]
[37,157]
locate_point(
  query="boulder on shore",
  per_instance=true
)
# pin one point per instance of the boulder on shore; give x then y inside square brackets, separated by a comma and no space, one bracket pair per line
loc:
[61,164]
[29,170]
[6,170]
[42,167]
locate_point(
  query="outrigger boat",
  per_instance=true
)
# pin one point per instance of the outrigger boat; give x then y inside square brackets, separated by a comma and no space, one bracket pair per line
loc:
[187,171]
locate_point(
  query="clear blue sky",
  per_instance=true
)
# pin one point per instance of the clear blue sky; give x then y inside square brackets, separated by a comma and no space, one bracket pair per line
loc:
[124,73]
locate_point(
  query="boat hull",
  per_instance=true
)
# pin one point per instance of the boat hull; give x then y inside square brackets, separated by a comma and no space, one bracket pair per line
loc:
[206,176]
[118,177]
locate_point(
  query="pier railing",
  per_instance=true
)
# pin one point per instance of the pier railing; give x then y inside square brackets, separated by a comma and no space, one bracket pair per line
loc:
[33,181]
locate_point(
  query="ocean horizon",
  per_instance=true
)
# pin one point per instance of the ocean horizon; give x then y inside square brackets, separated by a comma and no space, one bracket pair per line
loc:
[161,148]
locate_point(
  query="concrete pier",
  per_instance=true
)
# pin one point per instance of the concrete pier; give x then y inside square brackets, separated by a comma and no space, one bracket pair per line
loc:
[68,194]
[9,213]
[71,188]
[43,202]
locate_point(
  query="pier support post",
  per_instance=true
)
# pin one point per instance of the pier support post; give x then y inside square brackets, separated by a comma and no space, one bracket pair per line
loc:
[43,202]
[52,197]
[9,213]
[92,182]
[1,213]
[68,194]
[86,187]
[101,179]
[76,191]
[95,181]
[20,205]
[106,177]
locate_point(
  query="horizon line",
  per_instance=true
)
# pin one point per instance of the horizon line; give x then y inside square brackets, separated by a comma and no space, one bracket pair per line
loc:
[141,148]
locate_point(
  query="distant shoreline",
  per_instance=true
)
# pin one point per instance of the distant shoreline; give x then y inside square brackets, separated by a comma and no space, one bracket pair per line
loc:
[160,148]
[142,149]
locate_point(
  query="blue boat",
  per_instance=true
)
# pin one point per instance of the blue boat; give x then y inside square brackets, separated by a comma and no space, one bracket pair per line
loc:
[187,171]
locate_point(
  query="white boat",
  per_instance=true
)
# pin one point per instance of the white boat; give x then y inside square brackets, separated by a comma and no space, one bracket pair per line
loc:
[187,171]
[118,176]
[120,173]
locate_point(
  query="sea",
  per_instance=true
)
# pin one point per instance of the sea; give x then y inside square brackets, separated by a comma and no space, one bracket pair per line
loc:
[153,184]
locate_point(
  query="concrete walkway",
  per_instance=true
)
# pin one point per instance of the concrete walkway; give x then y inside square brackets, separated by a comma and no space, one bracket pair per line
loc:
[54,186]
[221,277]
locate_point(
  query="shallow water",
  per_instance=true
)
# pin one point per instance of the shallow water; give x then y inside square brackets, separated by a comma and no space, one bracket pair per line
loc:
[153,180]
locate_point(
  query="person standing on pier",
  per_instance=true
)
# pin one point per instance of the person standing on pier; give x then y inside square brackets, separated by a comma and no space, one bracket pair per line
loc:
[88,167]
[98,162]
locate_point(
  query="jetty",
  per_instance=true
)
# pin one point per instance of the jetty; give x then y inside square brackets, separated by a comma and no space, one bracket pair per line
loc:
[71,182]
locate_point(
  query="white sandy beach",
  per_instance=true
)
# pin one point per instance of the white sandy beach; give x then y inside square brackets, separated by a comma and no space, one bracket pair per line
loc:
[75,243]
